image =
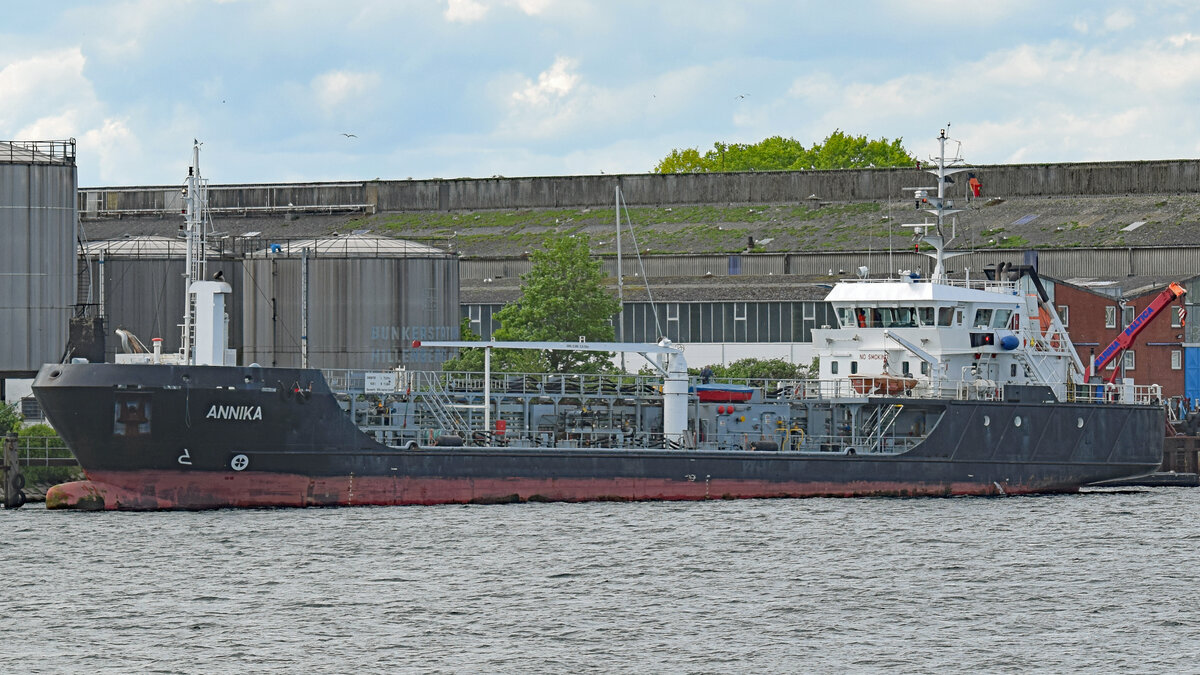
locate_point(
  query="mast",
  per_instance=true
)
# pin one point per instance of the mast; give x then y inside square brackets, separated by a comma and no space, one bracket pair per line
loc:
[196,200]
[620,278]
[939,207]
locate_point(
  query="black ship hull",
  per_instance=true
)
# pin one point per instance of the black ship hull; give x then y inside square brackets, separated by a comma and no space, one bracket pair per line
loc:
[176,437]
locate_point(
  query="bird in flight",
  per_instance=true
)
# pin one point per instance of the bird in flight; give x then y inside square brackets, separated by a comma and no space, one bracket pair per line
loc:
[741,96]
[349,135]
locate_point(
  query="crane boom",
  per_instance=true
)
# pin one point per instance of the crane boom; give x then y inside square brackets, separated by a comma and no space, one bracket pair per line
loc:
[1125,340]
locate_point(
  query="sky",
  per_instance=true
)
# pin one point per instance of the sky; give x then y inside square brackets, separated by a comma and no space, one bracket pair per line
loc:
[480,88]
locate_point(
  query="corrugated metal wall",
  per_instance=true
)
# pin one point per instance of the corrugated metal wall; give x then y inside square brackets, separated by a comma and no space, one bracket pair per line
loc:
[145,295]
[363,313]
[38,225]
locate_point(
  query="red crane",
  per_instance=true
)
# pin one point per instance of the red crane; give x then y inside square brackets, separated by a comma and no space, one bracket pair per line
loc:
[1125,340]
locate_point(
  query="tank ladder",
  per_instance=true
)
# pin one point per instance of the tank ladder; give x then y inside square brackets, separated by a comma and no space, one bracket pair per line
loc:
[440,405]
[879,423]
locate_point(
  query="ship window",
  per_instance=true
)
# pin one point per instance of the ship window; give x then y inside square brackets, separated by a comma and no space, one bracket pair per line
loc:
[945,315]
[1079,422]
[1017,421]
[958,317]
[1176,359]
[906,368]
[853,367]
[1110,317]
[1012,370]
[833,367]
[987,421]
[1000,319]
[925,314]
[924,367]
[846,317]
[983,317]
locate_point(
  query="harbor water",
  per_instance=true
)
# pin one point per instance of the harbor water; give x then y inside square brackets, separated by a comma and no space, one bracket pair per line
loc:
[1100,581]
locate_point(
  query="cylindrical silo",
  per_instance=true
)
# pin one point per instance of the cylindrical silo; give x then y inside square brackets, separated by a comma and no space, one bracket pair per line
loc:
[368,299]
[138,286]
[38,224]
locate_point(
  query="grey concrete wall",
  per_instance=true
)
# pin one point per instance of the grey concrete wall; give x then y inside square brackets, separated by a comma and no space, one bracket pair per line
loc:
[1109,178]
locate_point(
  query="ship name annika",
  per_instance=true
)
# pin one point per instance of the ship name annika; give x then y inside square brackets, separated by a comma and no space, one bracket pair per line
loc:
[235,412]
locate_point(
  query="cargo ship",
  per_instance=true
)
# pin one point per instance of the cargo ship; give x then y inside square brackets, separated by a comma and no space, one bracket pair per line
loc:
[931,386]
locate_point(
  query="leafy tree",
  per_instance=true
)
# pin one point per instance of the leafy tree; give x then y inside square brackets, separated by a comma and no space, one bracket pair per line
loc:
[769,369]
[469,359]
[10,419]
[839,150]
[562,298]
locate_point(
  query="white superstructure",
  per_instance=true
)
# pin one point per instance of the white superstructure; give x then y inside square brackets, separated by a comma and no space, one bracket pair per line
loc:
[944,337]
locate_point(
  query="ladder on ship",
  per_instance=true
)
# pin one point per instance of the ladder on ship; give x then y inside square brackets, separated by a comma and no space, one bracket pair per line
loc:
[879,423]
[439,405]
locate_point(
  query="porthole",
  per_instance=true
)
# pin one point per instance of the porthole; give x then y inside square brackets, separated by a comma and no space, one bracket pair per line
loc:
[1017,421]
[987,421]
[1079,422]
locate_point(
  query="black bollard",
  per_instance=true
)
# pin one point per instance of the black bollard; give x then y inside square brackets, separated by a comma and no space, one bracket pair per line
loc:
[14,482]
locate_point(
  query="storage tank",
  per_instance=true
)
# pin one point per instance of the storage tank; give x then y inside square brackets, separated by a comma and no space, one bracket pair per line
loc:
[137,285]
[368,299]
[38,224]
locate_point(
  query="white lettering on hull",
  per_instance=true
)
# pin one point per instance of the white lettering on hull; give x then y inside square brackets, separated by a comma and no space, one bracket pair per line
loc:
[243,413]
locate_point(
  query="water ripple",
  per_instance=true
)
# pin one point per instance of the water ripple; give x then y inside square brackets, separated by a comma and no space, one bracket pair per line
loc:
[1099,581]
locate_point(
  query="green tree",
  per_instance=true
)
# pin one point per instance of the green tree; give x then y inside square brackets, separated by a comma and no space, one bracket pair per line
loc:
[766,369]
[839,150]
[10,419]
[469,359]
[563,298]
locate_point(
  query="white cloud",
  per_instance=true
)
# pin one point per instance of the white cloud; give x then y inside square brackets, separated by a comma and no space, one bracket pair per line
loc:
[337,87]
[1183,39]
[533,7]
[115,146]
[552,84]
[465,11]
[45,84]
[1118,20]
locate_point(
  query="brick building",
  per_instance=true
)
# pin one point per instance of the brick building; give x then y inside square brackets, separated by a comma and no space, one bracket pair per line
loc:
[1096,311]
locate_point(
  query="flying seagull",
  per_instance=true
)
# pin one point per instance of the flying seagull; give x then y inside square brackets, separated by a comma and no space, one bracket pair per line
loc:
[349,135]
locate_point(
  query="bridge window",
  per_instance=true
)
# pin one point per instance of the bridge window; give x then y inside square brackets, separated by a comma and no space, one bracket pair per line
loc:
[1000,320]
[925,314]
[983,317]
[945,316]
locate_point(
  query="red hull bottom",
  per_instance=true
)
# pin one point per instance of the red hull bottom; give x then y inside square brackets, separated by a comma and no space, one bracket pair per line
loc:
[153,490]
